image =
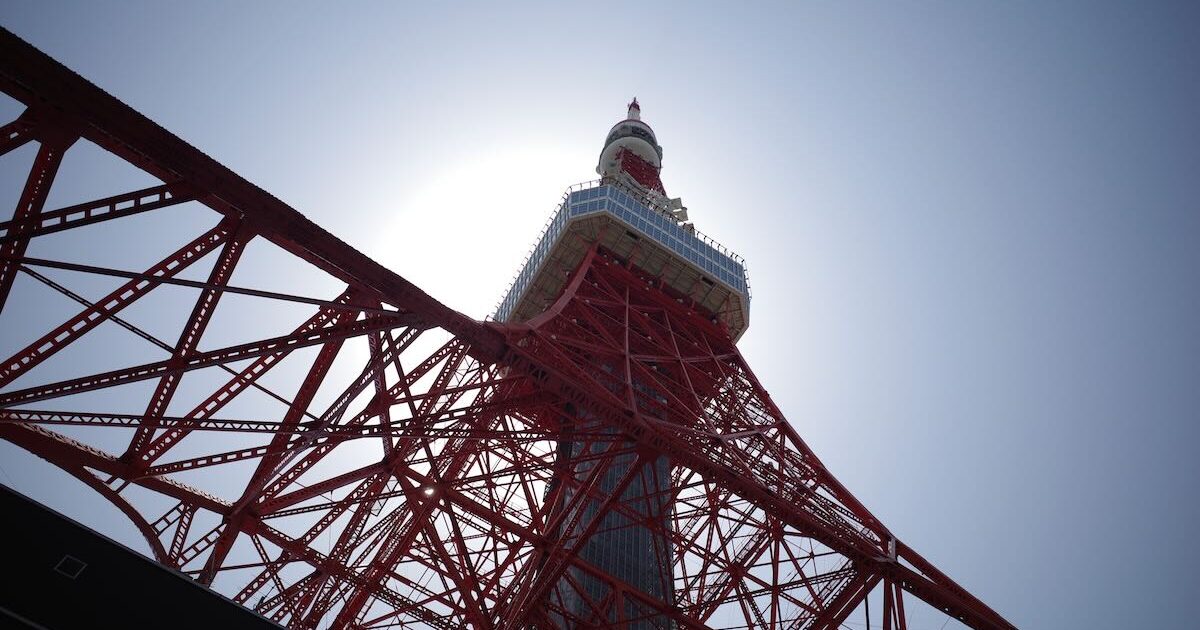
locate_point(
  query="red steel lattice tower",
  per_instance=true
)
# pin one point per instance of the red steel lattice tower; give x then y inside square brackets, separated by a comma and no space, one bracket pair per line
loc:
[371,458]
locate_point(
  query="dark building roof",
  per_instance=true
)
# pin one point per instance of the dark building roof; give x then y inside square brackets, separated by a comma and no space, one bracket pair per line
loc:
[59,575]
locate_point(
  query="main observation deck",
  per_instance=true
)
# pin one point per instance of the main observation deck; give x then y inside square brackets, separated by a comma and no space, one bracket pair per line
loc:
[639,228]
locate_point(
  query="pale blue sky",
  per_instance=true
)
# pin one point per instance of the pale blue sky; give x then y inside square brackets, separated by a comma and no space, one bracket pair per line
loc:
[972,229]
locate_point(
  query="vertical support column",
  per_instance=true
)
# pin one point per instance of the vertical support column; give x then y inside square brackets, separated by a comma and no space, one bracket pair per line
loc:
[55,143]
[893,606]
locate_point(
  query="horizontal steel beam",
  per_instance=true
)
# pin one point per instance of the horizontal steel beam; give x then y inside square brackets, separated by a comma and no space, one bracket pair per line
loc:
[37,80]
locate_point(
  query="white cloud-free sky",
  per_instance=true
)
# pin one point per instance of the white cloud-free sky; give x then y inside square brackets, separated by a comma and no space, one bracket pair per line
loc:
[972,229]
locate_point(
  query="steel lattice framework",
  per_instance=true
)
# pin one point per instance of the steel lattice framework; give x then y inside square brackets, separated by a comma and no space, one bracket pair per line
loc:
[399,469]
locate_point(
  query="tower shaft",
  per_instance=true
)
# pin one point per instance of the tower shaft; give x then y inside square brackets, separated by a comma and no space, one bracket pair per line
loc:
[289,423]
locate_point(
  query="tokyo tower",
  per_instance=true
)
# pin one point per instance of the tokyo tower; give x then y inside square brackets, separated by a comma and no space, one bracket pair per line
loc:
[293,426]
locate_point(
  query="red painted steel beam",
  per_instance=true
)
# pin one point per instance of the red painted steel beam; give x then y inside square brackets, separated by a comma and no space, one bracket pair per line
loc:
[108,306]
[70,454]
[189,340]
[196,284]
[537,349]
[598,349]
[39,81]
[29,207]
[108,208]
[202,360]
[247,378]
[17,133]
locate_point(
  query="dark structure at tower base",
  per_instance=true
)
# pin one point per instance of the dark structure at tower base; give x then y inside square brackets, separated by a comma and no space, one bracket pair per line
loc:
[60,575]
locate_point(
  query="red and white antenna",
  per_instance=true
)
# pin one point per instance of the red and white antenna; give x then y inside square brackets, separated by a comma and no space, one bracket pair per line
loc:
[631,152]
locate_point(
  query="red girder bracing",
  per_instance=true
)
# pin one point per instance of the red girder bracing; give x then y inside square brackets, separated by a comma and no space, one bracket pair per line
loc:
[188,339]
[55,140]
[108,208]
[106,307]
[17,133]
[376,459]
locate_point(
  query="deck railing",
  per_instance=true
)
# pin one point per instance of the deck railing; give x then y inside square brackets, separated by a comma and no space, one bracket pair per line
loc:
[648,213]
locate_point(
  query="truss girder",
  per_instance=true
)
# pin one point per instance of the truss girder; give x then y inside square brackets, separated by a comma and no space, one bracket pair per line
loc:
[382,460]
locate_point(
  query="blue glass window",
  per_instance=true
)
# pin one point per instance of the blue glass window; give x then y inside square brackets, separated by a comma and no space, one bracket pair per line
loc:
[650,222]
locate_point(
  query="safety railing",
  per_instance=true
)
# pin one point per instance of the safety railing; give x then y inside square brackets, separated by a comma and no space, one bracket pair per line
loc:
[648,213]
